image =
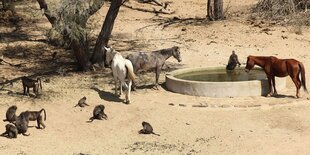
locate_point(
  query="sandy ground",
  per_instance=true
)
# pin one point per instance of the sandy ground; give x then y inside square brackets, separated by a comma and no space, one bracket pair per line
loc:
[226,126]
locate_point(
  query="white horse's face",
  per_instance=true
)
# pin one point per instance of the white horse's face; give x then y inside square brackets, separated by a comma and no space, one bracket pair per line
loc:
[109,55]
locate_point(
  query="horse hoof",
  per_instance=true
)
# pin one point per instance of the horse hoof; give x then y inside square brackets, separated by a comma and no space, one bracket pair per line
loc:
[127,102]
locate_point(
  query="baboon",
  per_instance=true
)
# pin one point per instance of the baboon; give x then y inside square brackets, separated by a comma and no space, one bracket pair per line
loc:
[233,61]
[22,122]
[37,116]
[10,131]
[30,83]
[82,102]
[147,129]
[10,114]
[98,113]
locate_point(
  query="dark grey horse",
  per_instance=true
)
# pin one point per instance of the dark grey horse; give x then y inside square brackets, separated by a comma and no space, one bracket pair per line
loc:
[145,61]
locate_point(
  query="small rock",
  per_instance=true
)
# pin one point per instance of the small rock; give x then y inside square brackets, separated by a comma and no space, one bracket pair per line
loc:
[187,124]
[183,29]
[182,105]
[171,104]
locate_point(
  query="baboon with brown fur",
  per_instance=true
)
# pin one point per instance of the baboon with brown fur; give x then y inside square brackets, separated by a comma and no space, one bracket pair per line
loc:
[31,83]
[37,116]
[22,122]
[11,114]
[98,113]
[82,102]
[147,129]
[10,131]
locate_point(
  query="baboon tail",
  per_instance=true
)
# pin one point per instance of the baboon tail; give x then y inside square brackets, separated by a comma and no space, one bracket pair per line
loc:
[155,134]
[44,113]
[130,70]
[91,119]
[303,77]
[26,134]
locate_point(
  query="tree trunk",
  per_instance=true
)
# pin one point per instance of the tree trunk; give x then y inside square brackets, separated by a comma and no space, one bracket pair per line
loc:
[218,9]
[105,33]
[80,55]
[215,12]
[210,11]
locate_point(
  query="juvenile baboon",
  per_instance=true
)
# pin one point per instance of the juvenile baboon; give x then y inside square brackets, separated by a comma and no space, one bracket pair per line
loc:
[98,113]
[10,131]
[82,102]
[147,129]
[30,83]
[233,61]
[37,116]
[22,122]
[11,114]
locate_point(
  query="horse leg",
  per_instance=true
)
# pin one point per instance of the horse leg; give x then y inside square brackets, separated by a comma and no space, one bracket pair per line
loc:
[270,86]
[297,83]
[121,87]
[274,86]
[115,90]
[128,92]
[158,69]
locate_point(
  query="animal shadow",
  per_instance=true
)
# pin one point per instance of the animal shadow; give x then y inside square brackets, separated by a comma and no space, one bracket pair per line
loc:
[283,96]
[108,96]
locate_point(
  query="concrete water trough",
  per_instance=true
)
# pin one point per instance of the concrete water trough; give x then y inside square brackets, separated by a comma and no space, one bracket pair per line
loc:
[217,82]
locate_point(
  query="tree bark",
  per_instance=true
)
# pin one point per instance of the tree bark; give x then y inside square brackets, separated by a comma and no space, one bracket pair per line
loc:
[98,55]
[210,11]
[218,9]
[80,55]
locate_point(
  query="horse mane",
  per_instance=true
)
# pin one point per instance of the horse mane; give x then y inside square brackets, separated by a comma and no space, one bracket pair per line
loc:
[166,51]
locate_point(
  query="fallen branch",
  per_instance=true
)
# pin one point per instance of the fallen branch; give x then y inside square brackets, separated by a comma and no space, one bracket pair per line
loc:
[160,11]
[185,21]
[15,65]
[164,5]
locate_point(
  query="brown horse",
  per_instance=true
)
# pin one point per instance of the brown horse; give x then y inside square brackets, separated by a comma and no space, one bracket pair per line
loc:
[279,68]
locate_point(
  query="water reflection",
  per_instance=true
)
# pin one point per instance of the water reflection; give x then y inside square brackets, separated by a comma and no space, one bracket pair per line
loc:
[222,75]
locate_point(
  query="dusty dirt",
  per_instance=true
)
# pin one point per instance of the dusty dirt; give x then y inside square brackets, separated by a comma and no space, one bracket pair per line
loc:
[226,126]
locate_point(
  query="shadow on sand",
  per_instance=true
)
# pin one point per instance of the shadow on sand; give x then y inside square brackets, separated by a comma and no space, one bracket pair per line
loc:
[108,96]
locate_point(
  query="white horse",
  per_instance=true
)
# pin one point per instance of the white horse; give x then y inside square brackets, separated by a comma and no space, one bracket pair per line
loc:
[121,69]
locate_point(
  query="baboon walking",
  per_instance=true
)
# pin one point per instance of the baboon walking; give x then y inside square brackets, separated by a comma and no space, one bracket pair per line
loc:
[147,129]
[82,102]
[30,83]
[98,113]
[22,122]
[11,114]
[10,131]
[37,116]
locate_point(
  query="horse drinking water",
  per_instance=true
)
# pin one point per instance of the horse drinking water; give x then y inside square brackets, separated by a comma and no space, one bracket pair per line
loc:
[279,68]
[144,61]
[121,69]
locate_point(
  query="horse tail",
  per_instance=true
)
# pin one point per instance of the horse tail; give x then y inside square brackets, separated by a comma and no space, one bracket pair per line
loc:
[129,67]
[303,77]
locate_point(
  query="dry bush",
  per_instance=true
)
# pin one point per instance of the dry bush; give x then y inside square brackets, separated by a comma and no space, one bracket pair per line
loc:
[294,11]
[275,8]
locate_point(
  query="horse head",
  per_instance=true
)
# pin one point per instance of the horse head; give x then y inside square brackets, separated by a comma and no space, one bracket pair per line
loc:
[176,53]
[109,55]
[249,64]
